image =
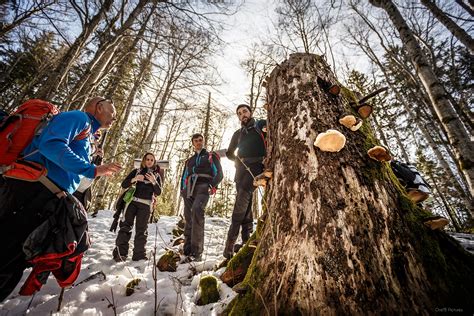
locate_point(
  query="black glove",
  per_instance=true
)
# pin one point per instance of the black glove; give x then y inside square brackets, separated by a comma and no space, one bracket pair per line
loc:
[114,225]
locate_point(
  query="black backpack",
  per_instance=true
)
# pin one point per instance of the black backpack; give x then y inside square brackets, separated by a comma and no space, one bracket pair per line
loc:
[3,115]
[409,176]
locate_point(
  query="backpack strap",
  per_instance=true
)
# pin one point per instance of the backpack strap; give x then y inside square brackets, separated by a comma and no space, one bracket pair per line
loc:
[84,134]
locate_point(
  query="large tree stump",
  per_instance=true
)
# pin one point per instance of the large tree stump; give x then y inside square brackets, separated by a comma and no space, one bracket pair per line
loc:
[340,236]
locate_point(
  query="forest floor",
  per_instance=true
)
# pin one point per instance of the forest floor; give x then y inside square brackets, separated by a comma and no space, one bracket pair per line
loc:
[177,292]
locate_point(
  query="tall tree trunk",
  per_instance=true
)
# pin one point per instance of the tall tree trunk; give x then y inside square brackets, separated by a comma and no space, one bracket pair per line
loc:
[339,236]
[106,52]
[206,121]
[159,116]
[144,69]
[57,76]
[467,7]
[458,137]
[457,31]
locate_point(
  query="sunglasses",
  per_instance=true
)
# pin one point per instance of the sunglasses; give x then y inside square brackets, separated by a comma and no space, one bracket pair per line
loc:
[105,100]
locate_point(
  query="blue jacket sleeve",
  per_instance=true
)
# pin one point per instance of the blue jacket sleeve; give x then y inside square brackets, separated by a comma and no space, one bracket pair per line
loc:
[184,175]
[56,143]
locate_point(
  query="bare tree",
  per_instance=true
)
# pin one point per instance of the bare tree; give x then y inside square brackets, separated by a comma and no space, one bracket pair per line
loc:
[457,134]
[257,66]
[455,29]
[20,12]
[57,75]
[107,51]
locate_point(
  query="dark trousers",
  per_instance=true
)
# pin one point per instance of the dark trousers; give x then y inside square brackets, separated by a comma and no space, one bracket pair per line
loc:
[242,217]
[21,205]
[194,208]
[139,213]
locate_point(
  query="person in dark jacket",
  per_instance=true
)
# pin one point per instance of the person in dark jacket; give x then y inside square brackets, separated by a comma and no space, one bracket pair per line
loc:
[249,141]
[84,190]
[147,182]
[201,175]
[63,148]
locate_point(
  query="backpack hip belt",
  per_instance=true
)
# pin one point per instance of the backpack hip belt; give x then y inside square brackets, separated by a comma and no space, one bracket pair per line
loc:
[194,177]
[31,172]
[143,201]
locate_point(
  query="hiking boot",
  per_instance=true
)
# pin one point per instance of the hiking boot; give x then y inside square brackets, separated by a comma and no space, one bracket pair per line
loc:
[138,258]
[192,258]
[117,256]
[435,222]
[237,247]
[120,258]
[229,249]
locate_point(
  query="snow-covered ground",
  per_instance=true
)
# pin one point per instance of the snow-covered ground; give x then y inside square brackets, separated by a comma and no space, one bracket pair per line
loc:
[177,291]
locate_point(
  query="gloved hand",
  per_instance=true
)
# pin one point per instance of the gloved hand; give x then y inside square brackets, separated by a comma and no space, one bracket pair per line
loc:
[212,190]
[114,225]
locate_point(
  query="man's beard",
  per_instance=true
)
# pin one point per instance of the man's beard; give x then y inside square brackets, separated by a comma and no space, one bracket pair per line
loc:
[245,120]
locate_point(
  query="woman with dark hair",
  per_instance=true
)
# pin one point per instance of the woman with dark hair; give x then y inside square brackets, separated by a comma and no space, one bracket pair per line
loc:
[147,182]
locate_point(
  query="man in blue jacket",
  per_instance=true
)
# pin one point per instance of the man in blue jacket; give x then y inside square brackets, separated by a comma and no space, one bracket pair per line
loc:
[201,175]
[63,147]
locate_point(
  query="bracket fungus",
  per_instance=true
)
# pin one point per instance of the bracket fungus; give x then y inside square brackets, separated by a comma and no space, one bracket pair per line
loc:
[351,122]
[417,196]
[364,110]
[331,140]
[379,153]
[262,179]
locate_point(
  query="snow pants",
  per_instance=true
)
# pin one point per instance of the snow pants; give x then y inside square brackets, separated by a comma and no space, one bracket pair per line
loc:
[194,208]
[139,213]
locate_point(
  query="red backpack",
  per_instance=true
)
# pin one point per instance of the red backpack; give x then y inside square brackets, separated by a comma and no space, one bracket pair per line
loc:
[19,128]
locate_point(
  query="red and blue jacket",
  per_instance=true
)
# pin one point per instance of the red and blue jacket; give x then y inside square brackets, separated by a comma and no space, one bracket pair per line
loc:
[64,148]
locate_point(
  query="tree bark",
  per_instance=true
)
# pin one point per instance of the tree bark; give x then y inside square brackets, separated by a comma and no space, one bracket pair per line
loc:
[457,134]
[457,31]
[57,76]
[338,236]
[206,121]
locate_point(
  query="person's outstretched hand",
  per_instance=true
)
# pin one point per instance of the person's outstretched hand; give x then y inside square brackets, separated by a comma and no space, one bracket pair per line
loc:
[107,169]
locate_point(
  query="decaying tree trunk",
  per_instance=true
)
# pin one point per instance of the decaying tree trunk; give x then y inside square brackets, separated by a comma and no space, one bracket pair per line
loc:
[339,237]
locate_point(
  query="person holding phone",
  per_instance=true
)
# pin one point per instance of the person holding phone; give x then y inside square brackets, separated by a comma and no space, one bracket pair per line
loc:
[147,183]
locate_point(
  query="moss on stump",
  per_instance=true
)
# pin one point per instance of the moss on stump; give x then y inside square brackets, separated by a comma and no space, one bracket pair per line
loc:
[209,290]
[168,261]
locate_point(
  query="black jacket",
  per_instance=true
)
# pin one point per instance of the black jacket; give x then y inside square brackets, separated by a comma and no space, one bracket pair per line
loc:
[201,164]
[145,189]
[249,140]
